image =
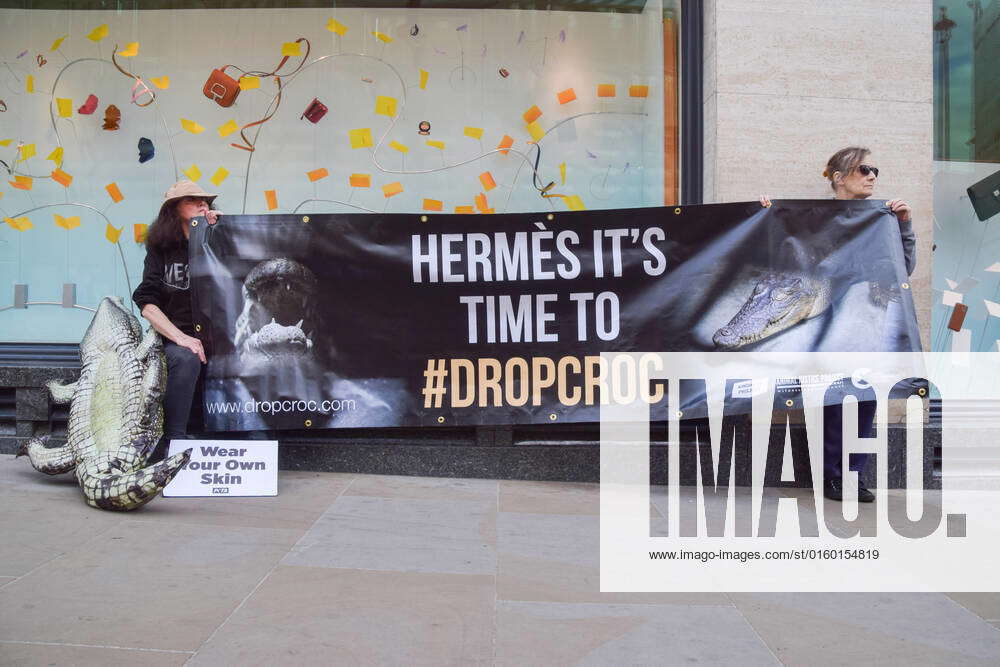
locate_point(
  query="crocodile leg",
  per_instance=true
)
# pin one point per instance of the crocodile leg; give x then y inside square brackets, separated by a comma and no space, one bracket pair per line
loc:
[51,461]
[108,484]
[61,393]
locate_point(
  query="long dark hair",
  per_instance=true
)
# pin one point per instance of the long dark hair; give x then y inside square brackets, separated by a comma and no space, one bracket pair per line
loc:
[167,231]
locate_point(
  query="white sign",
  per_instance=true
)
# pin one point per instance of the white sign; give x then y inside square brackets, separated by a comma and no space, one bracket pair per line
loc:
[225,468]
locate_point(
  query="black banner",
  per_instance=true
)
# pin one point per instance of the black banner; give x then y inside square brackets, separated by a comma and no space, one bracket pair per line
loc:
[330,320]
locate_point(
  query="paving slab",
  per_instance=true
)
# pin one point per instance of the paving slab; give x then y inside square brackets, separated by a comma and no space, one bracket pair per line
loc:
[20,653]
[318,615]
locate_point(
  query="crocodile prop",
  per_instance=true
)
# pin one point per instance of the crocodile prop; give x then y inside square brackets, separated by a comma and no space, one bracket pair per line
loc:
[778,302]
[115,415]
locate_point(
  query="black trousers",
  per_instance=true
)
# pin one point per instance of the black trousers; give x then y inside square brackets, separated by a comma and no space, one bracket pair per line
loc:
[183,370]
[833,442]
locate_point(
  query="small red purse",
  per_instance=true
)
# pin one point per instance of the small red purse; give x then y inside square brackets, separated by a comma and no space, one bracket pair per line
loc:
[314,112]
[221,87]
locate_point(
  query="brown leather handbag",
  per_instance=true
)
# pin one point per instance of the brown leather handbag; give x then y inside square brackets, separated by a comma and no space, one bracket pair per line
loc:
[221,87]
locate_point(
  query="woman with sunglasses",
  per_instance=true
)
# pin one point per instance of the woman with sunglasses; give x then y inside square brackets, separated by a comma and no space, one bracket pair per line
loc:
[165,301]
[852,176]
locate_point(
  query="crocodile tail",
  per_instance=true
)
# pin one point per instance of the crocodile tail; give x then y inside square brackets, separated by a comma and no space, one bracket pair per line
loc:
[129,489]
[51,461]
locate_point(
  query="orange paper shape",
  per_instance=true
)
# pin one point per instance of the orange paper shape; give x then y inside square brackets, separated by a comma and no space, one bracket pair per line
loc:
[116,194]
[565,96]
[605,90]
[532,114]
[505,143]
[638,91]
[21,224]
[360,180]
[317,174]
[271,197]
[61,177]
[22,182]
[464,209]
[139,232]
[481,204]
[71,222]
[392,189]
[486,178]
[433,205]
[111,233]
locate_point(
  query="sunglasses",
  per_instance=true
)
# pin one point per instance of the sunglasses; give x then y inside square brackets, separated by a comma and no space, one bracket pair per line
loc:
[865,170]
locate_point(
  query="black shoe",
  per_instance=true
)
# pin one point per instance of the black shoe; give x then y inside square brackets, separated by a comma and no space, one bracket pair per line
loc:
[834,490]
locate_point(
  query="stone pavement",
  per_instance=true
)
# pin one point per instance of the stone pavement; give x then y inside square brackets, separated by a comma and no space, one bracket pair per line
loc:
[349,569]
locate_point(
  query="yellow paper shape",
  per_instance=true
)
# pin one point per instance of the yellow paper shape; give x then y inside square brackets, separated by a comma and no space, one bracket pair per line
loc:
[473,132]
[25,151]
[21,224]
[98,33]
[605,90]
[249,82]
[191,126]
[565,96]
[505,143]
[385,106]
[111,233]
[486,178]
[22,182]
[381,35]
[574,203]
[220,175]
[56,44]
[423,79]
[193,173]
[562,172]
[333,25]
[536,131]
[271,197]
[360,138]
[464,209]
[360,180]
[317,174]
[61,177]
[532,114]
[392,189]
[435,144]
[638,91]
[139,232]
[29,84]
[131,50]
[161,82]
[114,192]
[399,147]
[290,49]
[67,223]
[56,155]
[65,107]
[227,128]
[5,142]
[433,205]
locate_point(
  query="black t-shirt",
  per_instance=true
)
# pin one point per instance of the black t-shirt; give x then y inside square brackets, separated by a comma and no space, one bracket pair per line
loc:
[166,283]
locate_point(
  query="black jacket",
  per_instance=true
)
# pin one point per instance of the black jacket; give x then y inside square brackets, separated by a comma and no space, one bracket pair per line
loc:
[165,284]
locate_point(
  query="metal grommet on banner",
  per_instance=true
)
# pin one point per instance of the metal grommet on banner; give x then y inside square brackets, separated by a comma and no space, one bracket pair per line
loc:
[194,223]
[305,218]
[423,218]
[550,217]
[308,423]
[553,416]
[197,327]
[677,211]
[680,413]
[789,403]
[922,391]
[905,285]
[440,420]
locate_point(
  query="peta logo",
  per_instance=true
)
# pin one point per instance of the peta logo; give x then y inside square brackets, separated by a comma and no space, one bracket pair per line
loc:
[220,490]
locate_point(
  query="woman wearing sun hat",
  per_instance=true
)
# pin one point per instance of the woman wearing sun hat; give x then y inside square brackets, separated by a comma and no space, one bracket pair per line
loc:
[165,300]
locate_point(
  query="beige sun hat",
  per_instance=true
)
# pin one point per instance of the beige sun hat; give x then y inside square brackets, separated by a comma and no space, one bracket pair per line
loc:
[182,189]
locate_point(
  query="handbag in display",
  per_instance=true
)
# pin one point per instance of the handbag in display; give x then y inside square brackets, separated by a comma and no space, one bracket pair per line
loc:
[221,87]
[314,112]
